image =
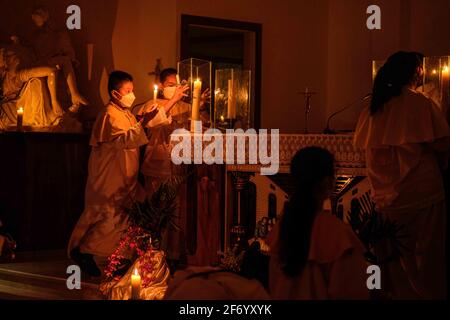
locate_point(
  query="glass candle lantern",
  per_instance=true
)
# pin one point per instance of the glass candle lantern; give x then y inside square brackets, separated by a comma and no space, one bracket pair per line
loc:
[232,98]
[436,84]
[197,74]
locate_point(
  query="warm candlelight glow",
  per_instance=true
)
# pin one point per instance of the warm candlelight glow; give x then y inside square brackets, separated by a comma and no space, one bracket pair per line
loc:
[222,118]
[445,69]
[155,93]
[434,71]
[135,285]
[19,119]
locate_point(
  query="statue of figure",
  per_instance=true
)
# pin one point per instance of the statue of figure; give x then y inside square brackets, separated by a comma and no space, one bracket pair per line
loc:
[261,228]
[53,48]
[22,88]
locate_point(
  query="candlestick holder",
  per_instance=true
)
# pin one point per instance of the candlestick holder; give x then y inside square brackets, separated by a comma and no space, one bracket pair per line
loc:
[232,92]
[197,74]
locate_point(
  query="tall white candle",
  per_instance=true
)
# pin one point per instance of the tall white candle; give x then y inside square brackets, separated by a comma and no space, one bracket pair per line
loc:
[135,285]
[444,84]
[231,110]
[196,95]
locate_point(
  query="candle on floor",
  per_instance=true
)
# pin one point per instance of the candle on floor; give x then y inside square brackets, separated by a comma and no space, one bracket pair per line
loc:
[155,93]
[196,96]
[19,119]
[135,285]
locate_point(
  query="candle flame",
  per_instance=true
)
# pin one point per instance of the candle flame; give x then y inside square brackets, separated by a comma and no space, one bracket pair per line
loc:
[136,273]
[20,109]
[155,87]
[445,69]
[222,118]
[434,71]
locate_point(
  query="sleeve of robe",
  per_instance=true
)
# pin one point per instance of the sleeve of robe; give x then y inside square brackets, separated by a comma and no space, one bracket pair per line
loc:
[347,277]
[161,118]
[115,127]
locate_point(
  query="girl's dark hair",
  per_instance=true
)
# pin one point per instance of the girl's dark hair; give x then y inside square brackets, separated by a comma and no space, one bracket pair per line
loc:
[399,70]
[117,79]
[309,167]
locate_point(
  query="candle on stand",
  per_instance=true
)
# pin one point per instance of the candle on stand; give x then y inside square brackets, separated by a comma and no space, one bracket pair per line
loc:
[231,110]
[196,96]
[19,119]
[135,285]
[445,85]
[155,93]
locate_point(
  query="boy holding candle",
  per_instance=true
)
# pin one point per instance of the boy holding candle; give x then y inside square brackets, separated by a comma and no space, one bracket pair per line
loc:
[112,182]
[157,165]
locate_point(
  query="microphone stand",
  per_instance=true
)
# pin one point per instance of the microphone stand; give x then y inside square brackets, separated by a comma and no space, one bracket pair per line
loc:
[328,130]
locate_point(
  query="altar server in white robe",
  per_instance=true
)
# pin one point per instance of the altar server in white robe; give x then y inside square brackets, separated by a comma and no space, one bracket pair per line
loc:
[112,184]
[407,140]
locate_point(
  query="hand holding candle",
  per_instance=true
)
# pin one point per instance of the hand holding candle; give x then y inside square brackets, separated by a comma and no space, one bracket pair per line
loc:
[135,285]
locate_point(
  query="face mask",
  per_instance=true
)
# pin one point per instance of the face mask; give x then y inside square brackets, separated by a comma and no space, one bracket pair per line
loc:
[127,100]
[169,92]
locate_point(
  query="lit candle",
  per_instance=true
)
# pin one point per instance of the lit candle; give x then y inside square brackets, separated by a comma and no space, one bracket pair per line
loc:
[155,93]
[178,79]
[231,110]
[444,85]
[196,95]
[135,285]
[19,119]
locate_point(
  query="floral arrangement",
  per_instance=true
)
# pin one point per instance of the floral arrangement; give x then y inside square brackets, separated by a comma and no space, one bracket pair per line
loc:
[148,221]
[135,239]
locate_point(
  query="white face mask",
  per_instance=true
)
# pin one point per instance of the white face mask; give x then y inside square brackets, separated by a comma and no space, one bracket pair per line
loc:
[127,100]
[169,92]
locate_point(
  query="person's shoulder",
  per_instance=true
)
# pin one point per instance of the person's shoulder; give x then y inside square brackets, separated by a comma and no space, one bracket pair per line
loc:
[111,110]
[326,220]
[331,238]
[418,97]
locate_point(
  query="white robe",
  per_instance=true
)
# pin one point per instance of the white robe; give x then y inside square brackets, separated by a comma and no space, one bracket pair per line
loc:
[112,182]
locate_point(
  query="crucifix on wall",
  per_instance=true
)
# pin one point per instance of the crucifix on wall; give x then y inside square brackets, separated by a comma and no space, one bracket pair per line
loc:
[157,71]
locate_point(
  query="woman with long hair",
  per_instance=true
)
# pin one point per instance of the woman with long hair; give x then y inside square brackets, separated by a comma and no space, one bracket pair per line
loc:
[314,255]
[406,136]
